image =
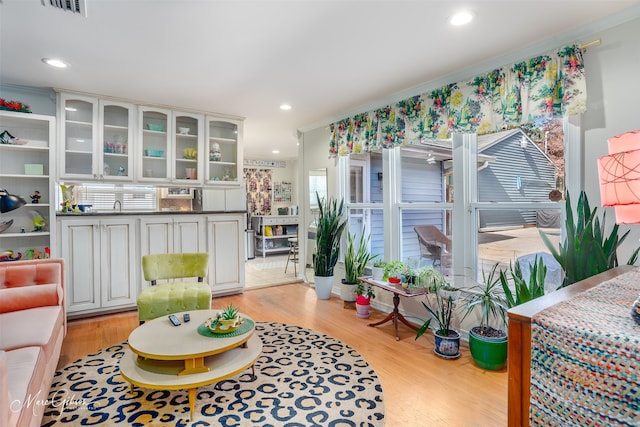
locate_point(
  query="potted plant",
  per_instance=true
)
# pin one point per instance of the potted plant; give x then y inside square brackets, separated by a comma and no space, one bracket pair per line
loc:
[586,250]
[355,260]
[524,291]
[377,271]
[488,345]
[364,294]
[431,278]
[393,271]
[447,340]
[330,225]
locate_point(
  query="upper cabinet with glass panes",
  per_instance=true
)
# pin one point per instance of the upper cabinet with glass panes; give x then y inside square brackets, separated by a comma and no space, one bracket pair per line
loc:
[224,144]
[95,136]
[113,141]
[188,143]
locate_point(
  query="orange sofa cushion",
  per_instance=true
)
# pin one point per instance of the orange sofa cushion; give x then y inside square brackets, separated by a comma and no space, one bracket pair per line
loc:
[28,274]
[22,298]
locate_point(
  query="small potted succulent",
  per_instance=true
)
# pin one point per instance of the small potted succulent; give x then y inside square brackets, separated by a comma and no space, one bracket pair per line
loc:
[364,294]
[225,321]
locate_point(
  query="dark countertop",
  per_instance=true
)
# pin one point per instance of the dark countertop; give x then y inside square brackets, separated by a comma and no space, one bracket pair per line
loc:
[138,213]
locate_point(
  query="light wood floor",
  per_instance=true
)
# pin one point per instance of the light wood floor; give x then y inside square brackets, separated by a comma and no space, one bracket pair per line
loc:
[420,389]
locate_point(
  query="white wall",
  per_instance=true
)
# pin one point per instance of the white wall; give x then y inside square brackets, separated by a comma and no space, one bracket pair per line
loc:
[613,91]
[39,100]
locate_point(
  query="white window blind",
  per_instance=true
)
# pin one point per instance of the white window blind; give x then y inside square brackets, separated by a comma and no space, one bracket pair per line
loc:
[103,196]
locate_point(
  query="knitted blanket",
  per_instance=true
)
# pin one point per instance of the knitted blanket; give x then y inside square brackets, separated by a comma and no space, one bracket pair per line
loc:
[585,358]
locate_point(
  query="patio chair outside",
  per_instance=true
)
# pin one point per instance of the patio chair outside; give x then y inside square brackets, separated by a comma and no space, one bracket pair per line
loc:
[433,243]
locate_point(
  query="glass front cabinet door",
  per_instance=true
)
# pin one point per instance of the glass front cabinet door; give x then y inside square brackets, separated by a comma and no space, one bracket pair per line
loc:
[154,134]
[116,135]
[188,143]
[224,157]
[95,135]
[78,134]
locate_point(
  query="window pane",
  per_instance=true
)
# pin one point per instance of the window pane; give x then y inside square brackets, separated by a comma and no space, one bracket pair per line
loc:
[356,181]
[425,175]
[513,167]
[371,221]
[424,238]
[376,178]
[508,244]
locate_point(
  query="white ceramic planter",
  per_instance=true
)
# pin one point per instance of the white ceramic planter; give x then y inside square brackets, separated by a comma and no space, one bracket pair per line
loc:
[324,284]
[377,272]
[348,291]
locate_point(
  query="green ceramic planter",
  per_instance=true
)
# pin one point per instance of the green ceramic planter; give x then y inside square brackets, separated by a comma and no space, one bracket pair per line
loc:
[488,353]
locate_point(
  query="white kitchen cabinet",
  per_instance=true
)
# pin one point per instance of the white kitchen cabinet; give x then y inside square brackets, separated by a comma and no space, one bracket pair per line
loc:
[35,146]
[100,261]
[224,145]
[172,233]
[96,138]
[187,148]
[225,240]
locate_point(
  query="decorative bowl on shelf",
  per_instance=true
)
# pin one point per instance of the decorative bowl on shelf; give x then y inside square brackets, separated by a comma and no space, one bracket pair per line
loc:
[5,224]
[154,127]
[183,131]
[223,326]
[154,153]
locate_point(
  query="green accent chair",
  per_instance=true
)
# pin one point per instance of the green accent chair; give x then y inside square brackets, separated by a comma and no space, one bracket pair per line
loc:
[168,297]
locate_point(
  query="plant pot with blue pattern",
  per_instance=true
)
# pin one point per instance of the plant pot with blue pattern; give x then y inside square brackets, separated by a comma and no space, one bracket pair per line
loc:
[447,344]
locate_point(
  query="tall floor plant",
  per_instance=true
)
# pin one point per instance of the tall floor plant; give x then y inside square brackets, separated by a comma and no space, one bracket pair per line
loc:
[329,228]
[586,250]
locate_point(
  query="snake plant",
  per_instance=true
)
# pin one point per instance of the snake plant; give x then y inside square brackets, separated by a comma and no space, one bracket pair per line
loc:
[329,228]
[586,251]
[357,257]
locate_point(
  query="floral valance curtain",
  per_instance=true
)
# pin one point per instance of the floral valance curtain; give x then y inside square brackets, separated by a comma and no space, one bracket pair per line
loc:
[550,85]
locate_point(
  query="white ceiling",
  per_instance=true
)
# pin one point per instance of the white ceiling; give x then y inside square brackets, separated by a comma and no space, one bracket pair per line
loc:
[245,58]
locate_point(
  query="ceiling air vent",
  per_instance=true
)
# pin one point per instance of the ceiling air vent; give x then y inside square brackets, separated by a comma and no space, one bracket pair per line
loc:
[75,6]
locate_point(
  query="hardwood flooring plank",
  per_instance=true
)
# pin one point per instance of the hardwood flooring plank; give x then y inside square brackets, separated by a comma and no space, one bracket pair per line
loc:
[420,389]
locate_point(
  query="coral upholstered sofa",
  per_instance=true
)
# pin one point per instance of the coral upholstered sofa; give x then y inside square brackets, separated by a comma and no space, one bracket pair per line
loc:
[32,326]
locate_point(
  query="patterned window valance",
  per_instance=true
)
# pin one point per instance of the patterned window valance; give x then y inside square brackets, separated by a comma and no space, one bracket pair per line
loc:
[550,85]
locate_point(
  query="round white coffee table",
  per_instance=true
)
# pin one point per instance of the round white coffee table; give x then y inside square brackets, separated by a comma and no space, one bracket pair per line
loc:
[166,357]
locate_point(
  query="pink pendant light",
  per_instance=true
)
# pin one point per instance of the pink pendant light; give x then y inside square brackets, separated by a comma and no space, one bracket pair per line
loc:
[620,177]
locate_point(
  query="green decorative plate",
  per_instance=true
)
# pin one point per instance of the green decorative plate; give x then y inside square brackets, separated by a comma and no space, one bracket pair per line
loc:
[246,326]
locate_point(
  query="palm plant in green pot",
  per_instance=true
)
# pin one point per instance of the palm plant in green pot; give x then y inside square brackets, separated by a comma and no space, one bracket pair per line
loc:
[356,259]
[487,344]
[330,225]
[447,340]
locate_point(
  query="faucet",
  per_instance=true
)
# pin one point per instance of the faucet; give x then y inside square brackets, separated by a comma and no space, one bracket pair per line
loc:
[119,204]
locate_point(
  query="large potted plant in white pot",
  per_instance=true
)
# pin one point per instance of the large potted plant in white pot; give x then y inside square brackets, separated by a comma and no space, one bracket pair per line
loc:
[356,259]
[330,225]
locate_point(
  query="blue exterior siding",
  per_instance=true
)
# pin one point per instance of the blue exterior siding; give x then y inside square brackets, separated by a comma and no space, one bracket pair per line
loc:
[517,175]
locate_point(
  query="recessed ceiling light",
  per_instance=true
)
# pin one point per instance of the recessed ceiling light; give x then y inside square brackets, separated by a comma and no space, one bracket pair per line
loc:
[275,151]
[57,63]
[461,18]
[285,107]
